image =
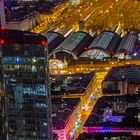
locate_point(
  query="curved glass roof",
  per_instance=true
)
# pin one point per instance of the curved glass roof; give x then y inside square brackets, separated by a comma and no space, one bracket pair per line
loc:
[74,44]
[138,36]
[71,41]
[54,39]
[127,43]
[122,55]
[51,36]
[106,41]
[95,54]
[102,40]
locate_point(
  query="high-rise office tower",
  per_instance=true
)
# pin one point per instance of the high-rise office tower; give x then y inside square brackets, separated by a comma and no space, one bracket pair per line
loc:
[25,84]
[2,14]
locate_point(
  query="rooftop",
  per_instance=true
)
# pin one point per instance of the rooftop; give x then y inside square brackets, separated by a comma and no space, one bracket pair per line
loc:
[122,73]
[124,110]
[106,41]
[70,84]
[74,44]
[61,111]
[127,43]
[54,39]
[17,36]
[105,44]
[19,14]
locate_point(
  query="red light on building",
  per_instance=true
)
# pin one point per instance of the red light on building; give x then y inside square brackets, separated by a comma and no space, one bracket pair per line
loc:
[43,43]
[2,27]
[1,41]
[85,48]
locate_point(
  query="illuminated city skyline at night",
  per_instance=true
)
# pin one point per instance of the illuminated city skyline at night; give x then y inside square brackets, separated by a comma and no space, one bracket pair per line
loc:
[69,70]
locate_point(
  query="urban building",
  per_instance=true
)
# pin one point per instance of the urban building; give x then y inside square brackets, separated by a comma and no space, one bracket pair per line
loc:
[122,80]
[126,48]
[104,45]
[107,136]
[22,20]
[71,47]
[114,114]
[55,136]
[2,14]
[2,114]
[65,114]
[73,86]
[54,39]
[137,52]
[104,50]
[25,84]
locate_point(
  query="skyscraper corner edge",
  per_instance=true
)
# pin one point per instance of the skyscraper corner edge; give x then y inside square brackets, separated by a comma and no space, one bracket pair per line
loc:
[18,36]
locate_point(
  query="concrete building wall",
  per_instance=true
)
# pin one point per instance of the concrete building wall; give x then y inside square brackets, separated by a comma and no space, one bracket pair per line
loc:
[18,25]
[25,24]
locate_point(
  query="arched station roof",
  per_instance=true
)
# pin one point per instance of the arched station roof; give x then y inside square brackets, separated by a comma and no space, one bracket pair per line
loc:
[102,46]
[127,44]
[94,54]
[137,49]
[54,39]
[73,45]
[106,41]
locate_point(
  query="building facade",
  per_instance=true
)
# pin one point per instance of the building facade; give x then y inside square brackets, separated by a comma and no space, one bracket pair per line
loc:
[24,22]
[25,84]
[2,14]
[66,117]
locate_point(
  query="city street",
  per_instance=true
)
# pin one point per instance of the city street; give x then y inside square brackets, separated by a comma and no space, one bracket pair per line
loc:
[99,77]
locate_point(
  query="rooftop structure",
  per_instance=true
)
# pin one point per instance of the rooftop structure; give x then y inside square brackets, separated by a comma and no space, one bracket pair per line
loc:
[104,45]
[72,46]
[70,84]
[54,39]
[138,36]
[10,36]
[137,48]
[73,86]
[21,19]
[122,80]
[127,46]
[122,73]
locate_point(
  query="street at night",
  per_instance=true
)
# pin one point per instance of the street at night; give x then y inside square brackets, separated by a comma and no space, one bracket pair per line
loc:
[70,70]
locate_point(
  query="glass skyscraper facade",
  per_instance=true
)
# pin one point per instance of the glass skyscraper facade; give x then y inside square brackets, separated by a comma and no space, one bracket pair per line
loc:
[25,83]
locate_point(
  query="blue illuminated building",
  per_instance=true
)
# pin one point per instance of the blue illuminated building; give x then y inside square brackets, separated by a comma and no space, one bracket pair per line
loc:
[25,83]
